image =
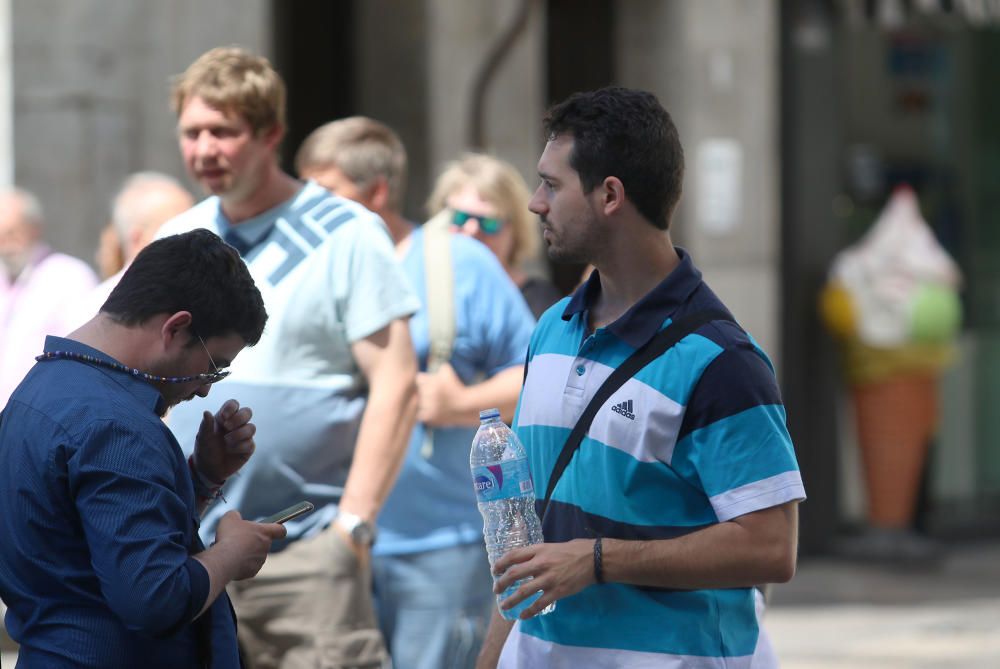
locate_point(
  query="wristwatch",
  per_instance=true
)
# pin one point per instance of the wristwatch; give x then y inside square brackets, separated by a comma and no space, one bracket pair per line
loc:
[360,530]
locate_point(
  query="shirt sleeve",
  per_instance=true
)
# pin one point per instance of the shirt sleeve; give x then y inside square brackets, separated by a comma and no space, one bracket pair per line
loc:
[140,532]
[377,291]
[75,282]
[733,439]
[496,308]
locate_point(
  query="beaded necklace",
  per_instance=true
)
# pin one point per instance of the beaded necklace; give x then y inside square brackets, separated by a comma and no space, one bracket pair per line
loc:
[210,377]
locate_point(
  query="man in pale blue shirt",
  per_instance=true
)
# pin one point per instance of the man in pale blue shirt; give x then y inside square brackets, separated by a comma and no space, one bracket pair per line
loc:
[432,581]
[332,380]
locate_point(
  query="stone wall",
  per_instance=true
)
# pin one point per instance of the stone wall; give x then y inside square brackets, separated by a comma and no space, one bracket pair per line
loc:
[91,96]
[714,66]
[418,73]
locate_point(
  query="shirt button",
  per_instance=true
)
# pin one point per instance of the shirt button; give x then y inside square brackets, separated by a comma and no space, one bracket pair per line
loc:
[580,370]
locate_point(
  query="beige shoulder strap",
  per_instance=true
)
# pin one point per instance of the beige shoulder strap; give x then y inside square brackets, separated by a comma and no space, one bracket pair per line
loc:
[440,281]
[440,284]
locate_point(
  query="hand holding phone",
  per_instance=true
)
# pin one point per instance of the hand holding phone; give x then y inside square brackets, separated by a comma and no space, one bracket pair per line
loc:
[293,511]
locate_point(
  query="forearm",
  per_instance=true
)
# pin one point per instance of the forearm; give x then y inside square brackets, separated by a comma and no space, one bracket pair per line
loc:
[239,552]
[496,636]
[381,445]
[500,390]
[751,550]
[205,490]
[221,570]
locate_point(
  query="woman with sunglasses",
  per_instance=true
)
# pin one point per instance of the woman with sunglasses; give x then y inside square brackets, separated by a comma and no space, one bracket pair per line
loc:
[489,201]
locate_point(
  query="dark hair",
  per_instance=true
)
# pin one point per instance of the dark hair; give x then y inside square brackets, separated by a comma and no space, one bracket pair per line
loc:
[195,271]
[627,134]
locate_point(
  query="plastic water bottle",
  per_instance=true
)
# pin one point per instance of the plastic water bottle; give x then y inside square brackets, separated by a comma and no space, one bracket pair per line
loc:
[506,497]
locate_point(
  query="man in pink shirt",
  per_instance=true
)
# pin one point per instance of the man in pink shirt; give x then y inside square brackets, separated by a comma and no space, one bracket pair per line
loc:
[37,287]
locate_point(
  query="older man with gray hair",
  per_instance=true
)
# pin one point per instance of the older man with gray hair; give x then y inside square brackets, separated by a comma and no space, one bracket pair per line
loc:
[37,287]
[145,201]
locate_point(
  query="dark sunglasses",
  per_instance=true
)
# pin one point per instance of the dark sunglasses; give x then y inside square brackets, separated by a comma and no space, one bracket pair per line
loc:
[488,224]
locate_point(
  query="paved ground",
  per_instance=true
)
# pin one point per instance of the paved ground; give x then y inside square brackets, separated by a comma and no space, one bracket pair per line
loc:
[841,615]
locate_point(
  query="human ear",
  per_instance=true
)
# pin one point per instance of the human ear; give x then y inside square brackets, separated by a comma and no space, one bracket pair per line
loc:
[174,326]
[272,136]
[379,196]
[612,195]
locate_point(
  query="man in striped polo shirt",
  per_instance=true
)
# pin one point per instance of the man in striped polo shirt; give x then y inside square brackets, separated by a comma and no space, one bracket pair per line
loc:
[682,496]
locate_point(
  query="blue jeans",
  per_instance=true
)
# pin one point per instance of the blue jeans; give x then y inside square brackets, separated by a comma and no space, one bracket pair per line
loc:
[434,607]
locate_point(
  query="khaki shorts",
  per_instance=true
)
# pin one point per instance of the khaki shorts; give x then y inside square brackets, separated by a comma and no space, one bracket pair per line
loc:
[310,607]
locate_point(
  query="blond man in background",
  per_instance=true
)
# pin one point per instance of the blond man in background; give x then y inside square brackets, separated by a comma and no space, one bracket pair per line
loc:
[332,380]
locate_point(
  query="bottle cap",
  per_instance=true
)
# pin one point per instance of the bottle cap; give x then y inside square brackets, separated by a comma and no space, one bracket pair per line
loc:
[486,414]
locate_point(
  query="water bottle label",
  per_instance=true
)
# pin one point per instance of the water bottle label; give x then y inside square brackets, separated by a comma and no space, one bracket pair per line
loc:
[507,480]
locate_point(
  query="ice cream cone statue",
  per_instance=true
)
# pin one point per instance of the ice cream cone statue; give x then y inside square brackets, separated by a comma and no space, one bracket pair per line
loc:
[892,302]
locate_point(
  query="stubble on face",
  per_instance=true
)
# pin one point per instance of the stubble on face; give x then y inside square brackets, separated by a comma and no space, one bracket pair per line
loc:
[173,399]
[571,228]
[220,149]
[183,364]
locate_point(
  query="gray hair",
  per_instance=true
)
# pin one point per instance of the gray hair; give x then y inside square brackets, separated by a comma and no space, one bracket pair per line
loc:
[131,204]
[31,207]
[363,149]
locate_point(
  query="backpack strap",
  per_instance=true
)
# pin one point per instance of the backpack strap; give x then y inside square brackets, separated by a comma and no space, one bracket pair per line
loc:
[439,280]
[440,283]
[659,344]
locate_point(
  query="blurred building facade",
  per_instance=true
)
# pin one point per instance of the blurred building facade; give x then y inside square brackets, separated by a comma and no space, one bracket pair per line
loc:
[782,107]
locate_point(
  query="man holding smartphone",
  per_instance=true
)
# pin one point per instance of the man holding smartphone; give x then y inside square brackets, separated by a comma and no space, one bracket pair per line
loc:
[101,565]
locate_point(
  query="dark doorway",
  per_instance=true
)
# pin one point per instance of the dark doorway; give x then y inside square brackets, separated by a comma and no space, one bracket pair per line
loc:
[809,239]
[580,56]
[313,50]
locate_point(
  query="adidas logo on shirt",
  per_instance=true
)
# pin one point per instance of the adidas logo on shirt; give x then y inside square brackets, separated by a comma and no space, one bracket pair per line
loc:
[625,409]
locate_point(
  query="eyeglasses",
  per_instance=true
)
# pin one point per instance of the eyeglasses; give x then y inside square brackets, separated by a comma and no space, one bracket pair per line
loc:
[211,377]
[488,224]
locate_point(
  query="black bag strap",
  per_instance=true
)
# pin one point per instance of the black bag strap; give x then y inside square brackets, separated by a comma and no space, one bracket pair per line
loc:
[645,354]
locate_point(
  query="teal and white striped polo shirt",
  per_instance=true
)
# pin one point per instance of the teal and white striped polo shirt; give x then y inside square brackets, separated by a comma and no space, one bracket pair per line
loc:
[327,271]
[696,438]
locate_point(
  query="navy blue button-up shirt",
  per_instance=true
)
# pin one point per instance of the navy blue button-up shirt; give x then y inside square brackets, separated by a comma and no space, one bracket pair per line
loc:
[98,525]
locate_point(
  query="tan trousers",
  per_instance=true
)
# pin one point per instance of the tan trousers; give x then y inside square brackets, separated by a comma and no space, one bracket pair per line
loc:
[310,607]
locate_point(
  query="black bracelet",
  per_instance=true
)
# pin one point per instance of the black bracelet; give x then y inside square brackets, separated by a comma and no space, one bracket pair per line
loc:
[598,565]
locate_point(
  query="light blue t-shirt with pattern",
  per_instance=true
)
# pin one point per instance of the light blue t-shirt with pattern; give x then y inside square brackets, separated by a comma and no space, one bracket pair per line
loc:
[433,505]
[326,269]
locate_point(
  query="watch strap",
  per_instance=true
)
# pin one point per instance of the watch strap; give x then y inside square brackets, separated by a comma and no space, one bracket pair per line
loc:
[359,529]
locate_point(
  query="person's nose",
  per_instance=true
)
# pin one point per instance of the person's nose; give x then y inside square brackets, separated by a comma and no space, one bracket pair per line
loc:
[471,227]
[206,146]
[537,204]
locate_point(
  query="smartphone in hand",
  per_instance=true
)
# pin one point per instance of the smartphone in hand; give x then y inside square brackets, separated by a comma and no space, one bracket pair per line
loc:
[293,511]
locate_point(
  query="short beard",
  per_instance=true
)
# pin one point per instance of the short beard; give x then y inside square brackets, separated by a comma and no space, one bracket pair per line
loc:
[564,257]
[580,253]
